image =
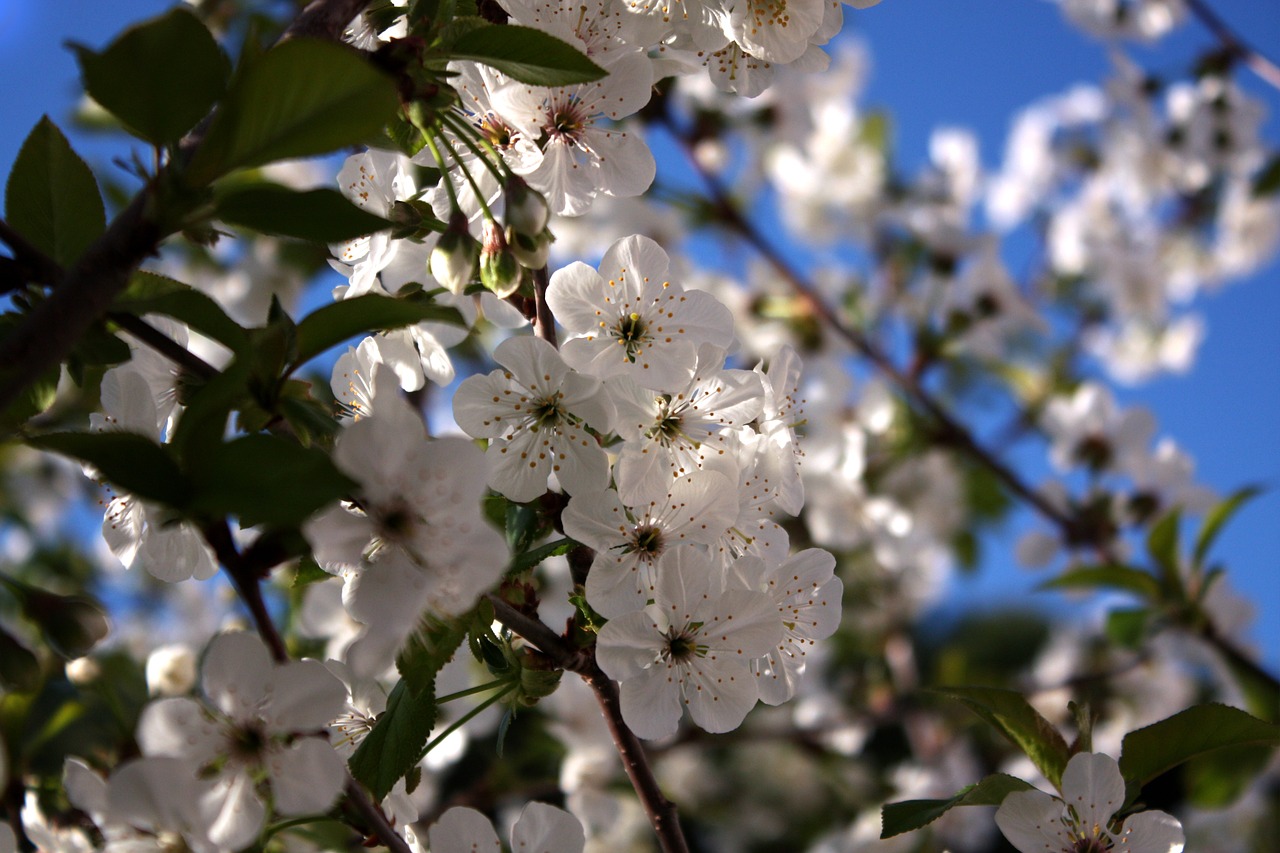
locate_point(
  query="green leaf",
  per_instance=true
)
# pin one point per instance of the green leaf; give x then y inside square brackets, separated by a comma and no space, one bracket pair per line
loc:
[1127,628]
[528,55]
[395,744]
[159,77]
[151,293]
[1217,518]
[203,422]
[533,557]
[1162,545]
[19,668]
[131,462]
[1154,750]
[307,572]
[1010,712]
[897,818]
[52,198]
[430,647]
[1267,181]
[1111,576]
[1215,780]
[265,479]
[340,321]
[71,624]
[321,215]
[302,98]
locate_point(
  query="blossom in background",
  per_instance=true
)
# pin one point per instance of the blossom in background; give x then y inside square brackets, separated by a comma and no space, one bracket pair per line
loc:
[1082,820]
[540,829]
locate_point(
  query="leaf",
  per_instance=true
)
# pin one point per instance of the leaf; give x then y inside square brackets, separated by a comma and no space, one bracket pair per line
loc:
[1010,712]
[151,293]
[430,647]
[1154,750]
[531,558]
[265,479]
[52,198]
[1128,627]
[19,668]
[1215,780]
[300,99]
[528,55]
[331,325]
[131,462]
[394,746]
[1112,576]
[159,77]
[1217,518]
[320,215]
[203,422]
[897,818]
[1267,181]
[1162,545]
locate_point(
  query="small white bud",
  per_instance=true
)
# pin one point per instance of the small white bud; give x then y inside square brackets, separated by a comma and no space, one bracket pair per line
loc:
[82,671]
[171,670]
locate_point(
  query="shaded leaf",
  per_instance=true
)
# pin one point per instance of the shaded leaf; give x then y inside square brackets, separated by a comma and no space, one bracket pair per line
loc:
[331,325]
[131,462]
[1199,730]
[1128,627]
[395,744]
[151,293]
[528,55]
[430,647]
[897,818]
[1217,518]
[320,215]
[1162,546]
[1010,712]
[300,99]
[19,668]
[159,77]
[52,198]
[533,557]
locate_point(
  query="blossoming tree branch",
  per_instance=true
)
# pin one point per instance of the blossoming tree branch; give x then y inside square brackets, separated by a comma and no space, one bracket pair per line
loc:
[452,489]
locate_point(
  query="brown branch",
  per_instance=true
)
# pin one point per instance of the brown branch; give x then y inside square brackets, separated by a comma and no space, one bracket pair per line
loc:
[662,812]
[1234,44]
[324,19]
[35,266]
[544,324]
[163,344]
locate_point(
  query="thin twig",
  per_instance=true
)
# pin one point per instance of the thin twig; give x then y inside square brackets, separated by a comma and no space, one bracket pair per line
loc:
[544,324]
[662,813]
[163,344]
[1237,46]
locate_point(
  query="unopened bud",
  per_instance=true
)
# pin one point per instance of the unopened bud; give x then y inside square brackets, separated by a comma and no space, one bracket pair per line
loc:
[171,670]
[531,251]
[82,671]
[499,269]
[453,260]
[527,210]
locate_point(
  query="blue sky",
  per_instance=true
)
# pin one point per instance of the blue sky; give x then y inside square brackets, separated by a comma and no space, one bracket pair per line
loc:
[971,63]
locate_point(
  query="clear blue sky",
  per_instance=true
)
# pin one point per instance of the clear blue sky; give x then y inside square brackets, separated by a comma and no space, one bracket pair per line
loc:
[972,63]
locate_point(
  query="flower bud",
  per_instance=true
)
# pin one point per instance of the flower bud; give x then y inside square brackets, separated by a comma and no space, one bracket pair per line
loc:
[499,269]
[453,260]
[82,671]
[171,670]
[531,251]
[527,210]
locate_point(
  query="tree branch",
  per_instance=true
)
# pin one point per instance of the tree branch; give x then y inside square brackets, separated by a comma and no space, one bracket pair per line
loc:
[1235,45]
[662,813]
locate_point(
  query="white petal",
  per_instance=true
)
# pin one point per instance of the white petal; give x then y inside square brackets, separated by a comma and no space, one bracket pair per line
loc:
[463,830]
[238,671]
[1093,786]
[651,702]
[306,777]
[547,829]
[1032,821]
[304,696]
[236,814]
[1152,832]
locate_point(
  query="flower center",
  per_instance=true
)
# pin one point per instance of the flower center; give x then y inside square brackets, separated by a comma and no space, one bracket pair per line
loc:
[632,334]
[645,540]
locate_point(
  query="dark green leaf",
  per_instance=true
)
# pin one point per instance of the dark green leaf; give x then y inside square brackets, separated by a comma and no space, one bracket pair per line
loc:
[897,818]
[340,321]
[1162,546]
[323,215]
[307,572]
[1127,628]
[52,198]
[38,396]
[1217,518]
[1199,730]
[1109,577]
[265,479]
[19,669]
[159,77]
[151,293]
[1215,780]
[300,99]
[131,462]
[1267,181]
[528,55]
[531,558]
[430,647]
[1010,712]
[397,740]
[71,624]
[203,422]
[99,347]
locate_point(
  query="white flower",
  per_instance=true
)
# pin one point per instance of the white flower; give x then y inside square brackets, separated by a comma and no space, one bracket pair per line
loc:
[540,829]
[171,670]
[535,412]
[1080,822]
[265,719]
[629,320]
[629,541]
[692,646]
[582,154]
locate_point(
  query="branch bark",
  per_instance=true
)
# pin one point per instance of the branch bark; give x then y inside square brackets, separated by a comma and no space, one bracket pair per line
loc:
[1234,44]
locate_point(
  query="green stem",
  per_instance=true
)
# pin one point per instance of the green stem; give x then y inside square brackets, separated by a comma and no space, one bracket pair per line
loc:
[494,161]
[464,719]
[444,171]
[466,173]
[492,685]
